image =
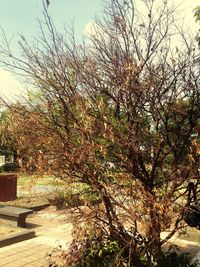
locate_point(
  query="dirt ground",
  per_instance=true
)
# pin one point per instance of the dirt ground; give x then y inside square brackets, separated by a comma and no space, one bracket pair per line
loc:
[6,229]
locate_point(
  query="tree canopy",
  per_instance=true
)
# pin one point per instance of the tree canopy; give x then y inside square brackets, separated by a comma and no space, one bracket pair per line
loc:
[197,17]
[119,113]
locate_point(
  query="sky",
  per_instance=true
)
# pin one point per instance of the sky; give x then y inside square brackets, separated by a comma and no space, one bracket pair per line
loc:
[20,16]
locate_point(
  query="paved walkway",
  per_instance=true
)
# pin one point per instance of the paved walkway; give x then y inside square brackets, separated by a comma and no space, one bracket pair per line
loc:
[51,231]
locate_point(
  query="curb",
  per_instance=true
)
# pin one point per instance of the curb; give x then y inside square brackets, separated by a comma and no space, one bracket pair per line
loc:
[11,239]
[36,208]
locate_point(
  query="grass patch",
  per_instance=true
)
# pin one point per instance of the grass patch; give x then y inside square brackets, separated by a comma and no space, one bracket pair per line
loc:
[29,201]
[27,180]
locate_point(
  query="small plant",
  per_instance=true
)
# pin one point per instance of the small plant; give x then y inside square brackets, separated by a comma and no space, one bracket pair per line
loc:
[101,253]
[57,200]
[73,196]
[90,197]
[65,198]
[175,258]
[94,250]
[10,167]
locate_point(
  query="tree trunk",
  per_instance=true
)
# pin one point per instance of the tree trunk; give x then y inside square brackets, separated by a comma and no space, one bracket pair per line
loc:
[154,235]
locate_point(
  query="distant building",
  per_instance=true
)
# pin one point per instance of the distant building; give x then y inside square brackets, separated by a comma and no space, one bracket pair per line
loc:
[2,160]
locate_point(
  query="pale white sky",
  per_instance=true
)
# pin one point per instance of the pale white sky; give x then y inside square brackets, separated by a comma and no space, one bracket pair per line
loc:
[11,87]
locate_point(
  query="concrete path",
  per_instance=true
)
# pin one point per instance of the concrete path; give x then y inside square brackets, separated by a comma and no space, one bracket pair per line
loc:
[33,252]
[51,231]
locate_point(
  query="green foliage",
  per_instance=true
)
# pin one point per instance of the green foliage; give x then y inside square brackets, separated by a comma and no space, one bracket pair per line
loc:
[116,110]
[93,250]
[197,17]
[97,250]
[101,253]
[10,167]
[174,258]
[72,200]
[197,13]
[2,169]
[89,196]
[63,197]
[6,147]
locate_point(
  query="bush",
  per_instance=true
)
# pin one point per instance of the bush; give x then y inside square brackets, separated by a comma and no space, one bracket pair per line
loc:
[10,167]
[89,197]
[174,258]
[62,199]
[74,197]
[91,251]
[98,250]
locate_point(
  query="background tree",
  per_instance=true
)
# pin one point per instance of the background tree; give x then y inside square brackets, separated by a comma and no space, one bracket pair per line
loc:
[23,136]
[197,17]
[5,138]
[118,114]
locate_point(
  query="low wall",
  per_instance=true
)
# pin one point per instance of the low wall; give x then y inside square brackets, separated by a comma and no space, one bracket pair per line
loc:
[8,187]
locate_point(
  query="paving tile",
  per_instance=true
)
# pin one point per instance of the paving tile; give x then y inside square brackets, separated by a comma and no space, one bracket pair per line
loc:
[33,251]
[43,262]
[37,263]
[14,257]
[7,254]
[33,257]
[26,253]
[32,265]
[14,251]
[25,262]
[3,256]
[17,264]
[12,264]
[4,262]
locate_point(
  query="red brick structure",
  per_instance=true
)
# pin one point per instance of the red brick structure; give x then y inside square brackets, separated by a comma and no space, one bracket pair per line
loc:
[8,187]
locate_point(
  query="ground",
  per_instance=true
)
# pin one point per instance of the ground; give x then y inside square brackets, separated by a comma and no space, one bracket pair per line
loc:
[8,230]
[53,229]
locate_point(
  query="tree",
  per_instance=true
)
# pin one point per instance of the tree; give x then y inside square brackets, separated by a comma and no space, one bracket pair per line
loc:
[23,136]
[5,148]
[120,113]
[197,17]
